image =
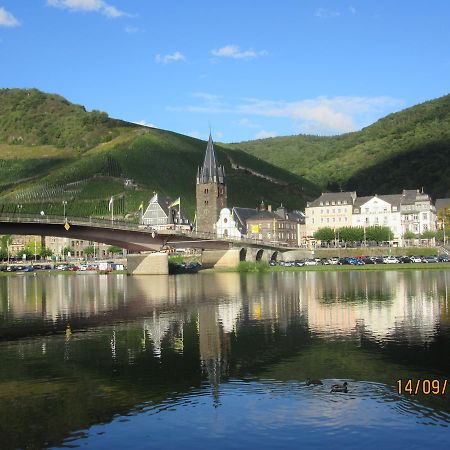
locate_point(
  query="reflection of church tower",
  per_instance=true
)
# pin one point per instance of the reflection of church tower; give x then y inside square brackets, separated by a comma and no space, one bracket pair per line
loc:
[214,348]
[211,191]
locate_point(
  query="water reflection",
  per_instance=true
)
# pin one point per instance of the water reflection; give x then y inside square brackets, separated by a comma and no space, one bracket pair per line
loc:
[153,342]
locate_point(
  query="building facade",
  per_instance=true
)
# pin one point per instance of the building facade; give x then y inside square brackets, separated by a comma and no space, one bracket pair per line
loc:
[331,209]
[411,211]
[163,214]
[279,226]
[211,191]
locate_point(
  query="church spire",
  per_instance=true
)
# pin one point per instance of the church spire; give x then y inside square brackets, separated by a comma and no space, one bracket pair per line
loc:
[211,171]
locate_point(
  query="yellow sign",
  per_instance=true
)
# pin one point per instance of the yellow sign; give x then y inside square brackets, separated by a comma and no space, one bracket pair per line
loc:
[254,229]
[67,226]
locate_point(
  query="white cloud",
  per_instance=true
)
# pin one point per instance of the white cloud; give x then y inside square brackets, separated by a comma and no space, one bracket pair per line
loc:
[165,59]
[352,9]
[233,51]
[324,13]
[7,19]
[131,30]
[88,6]
[145,124]
[321,115]
[263,134]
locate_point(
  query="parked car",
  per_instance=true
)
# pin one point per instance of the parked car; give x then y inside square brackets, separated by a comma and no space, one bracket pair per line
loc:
[415,259]
[299,263]
[443,258]
[311,262]
[333,261]
[429,259]
[405,259]
[390,260]
[272,262]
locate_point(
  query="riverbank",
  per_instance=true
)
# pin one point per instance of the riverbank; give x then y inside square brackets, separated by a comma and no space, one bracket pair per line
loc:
[248,267]
[62,272]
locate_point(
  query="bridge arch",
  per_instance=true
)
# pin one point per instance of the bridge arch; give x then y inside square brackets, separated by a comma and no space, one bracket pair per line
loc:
[242,254]
[259,254]
[274,256]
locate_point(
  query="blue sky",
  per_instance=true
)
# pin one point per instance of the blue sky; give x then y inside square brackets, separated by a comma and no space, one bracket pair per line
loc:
[248,68]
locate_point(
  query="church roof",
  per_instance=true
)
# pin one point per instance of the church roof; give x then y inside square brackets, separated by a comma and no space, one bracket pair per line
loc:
[210,171]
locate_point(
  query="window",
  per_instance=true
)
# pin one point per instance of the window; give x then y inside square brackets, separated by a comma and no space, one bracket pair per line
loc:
[356,210]
[206,202]
[344,202]
[321,203]
[339,202]
[206,191]
[394,208]
[327,203]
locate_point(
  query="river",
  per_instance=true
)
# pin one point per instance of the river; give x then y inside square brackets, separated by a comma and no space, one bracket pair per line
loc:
[220,360]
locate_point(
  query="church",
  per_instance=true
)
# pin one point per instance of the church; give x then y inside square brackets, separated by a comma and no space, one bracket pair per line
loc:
[211,191]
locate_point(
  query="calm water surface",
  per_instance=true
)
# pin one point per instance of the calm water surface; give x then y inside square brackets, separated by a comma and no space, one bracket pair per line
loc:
[220,360]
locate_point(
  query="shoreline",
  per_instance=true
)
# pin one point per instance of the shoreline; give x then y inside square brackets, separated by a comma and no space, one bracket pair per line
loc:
[334,268]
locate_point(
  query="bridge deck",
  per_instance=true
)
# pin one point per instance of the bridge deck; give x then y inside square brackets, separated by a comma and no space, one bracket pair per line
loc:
[125,234]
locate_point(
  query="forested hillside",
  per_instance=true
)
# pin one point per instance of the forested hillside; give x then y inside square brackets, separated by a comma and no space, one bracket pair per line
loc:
[404,150]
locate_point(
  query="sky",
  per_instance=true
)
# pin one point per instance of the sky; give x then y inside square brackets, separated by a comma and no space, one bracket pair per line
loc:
[244,69]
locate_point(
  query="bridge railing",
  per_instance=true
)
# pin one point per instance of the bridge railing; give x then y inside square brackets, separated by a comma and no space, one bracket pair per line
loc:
[130,226]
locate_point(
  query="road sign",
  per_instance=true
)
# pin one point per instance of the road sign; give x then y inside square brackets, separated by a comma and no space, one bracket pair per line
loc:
[67,226]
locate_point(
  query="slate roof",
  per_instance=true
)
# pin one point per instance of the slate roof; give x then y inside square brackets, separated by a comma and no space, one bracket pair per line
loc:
[329,197]
[210,171]
[264,215]
[241,215]
[164,203]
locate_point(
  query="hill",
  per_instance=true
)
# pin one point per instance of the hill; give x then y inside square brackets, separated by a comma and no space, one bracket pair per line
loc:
[404,150]
[53,151]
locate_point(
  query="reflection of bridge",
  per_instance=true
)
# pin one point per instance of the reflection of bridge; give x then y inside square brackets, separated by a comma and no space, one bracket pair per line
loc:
[136,238]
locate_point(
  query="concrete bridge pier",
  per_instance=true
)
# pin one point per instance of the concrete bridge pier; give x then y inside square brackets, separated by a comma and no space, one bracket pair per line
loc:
[148,264]
[220,259]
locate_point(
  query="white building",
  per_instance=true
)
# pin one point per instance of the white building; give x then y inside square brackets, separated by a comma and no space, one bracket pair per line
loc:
[226,226]
[381,210]
[418,214]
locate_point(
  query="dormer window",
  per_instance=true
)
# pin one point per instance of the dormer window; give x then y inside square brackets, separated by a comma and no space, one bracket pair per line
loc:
[356,210]
[321,203]
[344,202]
[333,203]
[327,203]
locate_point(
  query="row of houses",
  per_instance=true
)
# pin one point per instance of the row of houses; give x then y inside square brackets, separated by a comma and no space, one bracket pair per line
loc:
[412,210]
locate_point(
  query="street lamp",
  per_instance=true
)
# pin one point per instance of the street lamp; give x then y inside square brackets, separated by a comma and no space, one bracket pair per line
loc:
[19,207]
[64,206]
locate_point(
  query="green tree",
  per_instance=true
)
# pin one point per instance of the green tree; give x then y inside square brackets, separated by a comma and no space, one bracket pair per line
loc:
[378,234]
[351,234]
[66,251]
[114,249]
[26,252]
[45,252]
[3,254]
[89,250]
[324,234]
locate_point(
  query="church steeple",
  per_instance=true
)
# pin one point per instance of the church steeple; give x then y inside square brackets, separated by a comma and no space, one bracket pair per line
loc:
[211,172]
[211,190]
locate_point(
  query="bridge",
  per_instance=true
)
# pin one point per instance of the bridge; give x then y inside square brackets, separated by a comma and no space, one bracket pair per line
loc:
[216,252]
